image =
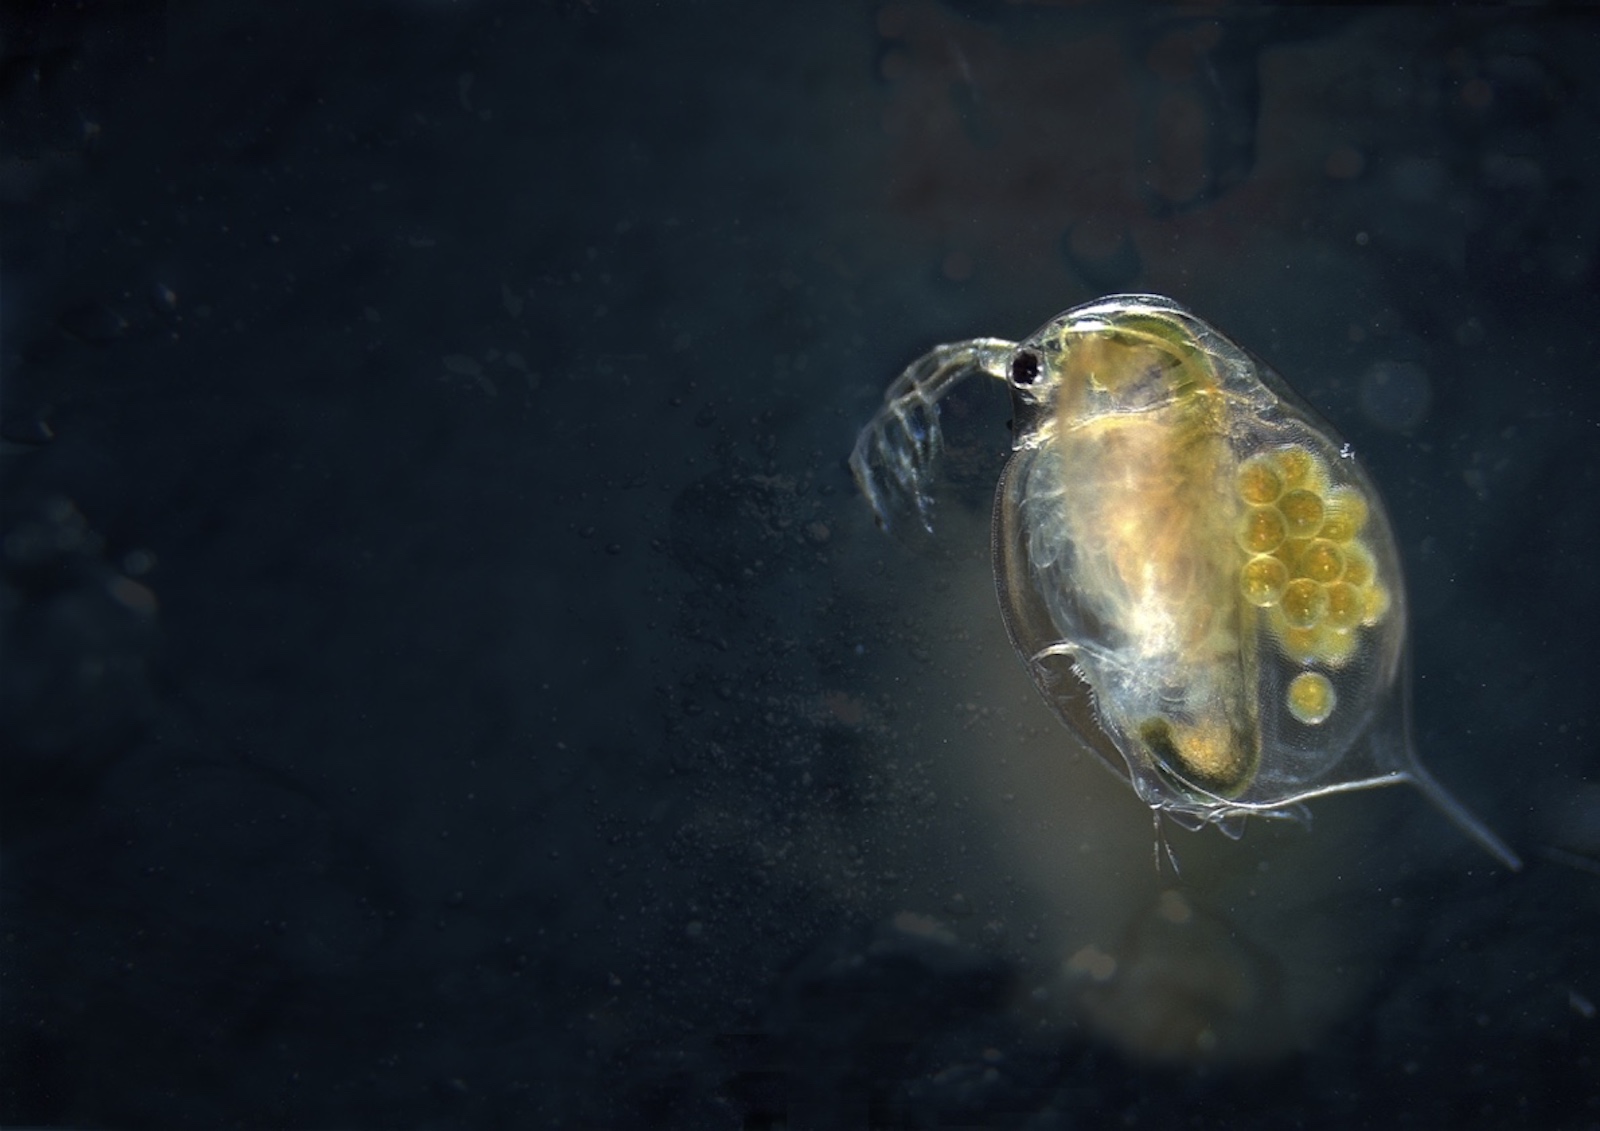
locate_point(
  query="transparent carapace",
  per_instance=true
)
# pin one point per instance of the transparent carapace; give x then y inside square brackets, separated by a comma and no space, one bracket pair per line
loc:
[1198,574]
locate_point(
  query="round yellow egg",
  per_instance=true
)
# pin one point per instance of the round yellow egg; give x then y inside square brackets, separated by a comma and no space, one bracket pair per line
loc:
[1259,481]
[1320,561]
[1296,466]
[1304,602]
[1347,606]
[1344,514]
[1302,512]
[1359,568]
[1262,580]
[1311,698]
[1263,530]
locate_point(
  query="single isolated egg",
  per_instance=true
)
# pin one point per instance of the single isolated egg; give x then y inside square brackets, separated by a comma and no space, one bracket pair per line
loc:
[1201,580]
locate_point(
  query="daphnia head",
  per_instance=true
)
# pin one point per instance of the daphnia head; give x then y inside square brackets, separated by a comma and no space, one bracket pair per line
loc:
[1128,354]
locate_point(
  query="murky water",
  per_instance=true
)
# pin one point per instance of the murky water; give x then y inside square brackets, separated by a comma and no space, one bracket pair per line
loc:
[449,677]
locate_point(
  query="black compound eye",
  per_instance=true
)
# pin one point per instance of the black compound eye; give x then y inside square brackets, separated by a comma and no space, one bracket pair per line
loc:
[1025,368]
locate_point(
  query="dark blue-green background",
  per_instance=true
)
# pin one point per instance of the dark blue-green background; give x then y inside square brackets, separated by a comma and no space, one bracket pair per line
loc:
[448,679]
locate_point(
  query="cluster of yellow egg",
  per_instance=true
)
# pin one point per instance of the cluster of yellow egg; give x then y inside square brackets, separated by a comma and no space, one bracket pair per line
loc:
[1307,565]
